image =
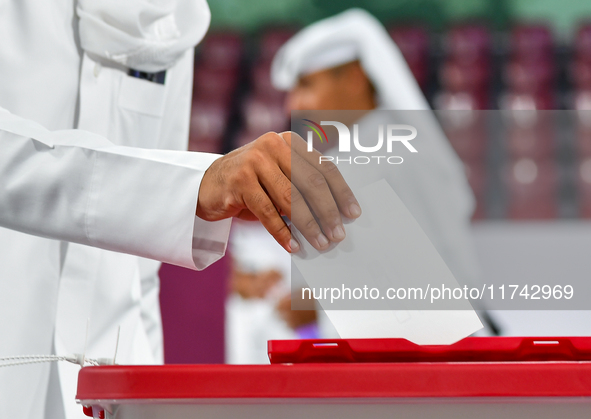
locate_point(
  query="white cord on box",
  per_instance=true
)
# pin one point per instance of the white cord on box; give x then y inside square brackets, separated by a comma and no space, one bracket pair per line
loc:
[11,361]
[80,359]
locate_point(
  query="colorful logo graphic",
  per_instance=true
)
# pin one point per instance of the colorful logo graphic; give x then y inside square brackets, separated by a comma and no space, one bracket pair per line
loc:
[318,127]
[387,136]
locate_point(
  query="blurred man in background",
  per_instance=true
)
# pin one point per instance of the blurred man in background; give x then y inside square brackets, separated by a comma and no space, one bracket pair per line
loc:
[349,62]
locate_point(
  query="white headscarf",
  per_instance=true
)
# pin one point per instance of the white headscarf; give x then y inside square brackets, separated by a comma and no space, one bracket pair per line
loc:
[349,36]
[146,35]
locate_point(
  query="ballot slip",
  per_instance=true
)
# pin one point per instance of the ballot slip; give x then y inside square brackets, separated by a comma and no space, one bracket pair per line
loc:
[385,249]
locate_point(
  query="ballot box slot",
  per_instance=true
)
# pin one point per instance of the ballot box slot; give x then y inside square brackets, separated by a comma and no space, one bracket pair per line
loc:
[472,349]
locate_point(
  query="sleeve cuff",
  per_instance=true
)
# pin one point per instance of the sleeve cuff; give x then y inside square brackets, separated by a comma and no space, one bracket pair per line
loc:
[210,239]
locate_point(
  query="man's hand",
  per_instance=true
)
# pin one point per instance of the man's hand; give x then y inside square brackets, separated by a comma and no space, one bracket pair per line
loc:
[255,182]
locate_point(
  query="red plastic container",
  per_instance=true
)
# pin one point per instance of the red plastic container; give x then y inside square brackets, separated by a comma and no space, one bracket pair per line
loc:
[482,378]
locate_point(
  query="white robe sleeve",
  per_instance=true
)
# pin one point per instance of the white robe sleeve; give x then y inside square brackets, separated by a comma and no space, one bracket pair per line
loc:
[76,186]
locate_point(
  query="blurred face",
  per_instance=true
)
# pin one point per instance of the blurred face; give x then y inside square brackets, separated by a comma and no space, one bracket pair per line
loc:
[340,88]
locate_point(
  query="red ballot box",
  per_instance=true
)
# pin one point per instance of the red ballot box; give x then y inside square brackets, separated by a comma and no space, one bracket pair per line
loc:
[359,378]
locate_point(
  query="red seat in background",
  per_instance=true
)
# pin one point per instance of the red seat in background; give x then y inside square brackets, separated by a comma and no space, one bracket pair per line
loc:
[261,83]
[413,42]
[582,43]
[457,76]
[263,115]
[208,124]
[530,130]
[580,74]
[215,80]
[465,75]
[271,40]
[532,42]
[262,109]
[532,189]
[530,74]
[466,130]
[529,138]
[215,85]
[469,44]
[523,76]
[222,50]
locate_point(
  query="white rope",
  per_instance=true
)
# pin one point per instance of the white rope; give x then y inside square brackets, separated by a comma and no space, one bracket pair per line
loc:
[80,359]
[11,361]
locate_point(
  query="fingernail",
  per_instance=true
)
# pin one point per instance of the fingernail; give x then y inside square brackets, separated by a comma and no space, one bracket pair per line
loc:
[322,240]
[338,233]
[294,245]
[355,210]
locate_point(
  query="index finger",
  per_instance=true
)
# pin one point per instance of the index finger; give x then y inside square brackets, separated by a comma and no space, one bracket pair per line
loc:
[342,194]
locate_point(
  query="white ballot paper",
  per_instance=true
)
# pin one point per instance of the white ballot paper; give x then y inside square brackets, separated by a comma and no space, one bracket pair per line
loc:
[386,248]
